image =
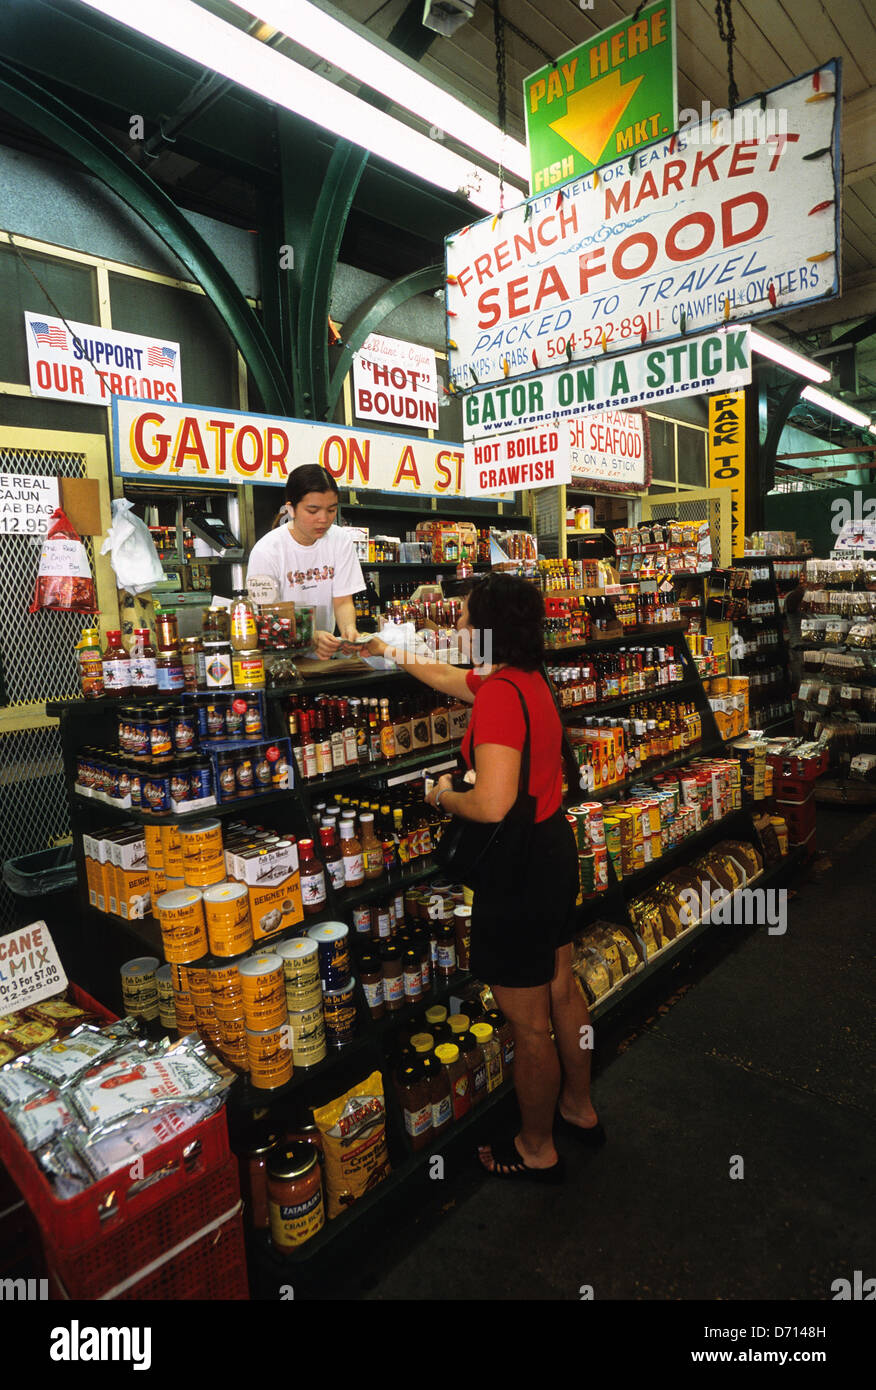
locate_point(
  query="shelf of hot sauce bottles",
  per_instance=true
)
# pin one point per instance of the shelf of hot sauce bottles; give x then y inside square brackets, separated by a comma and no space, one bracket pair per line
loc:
[335,738]
[573,617]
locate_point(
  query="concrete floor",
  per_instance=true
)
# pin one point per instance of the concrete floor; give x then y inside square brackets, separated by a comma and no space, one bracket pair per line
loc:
[767,1056]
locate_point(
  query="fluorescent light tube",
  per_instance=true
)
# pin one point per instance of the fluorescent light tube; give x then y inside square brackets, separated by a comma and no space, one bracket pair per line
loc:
[785,357]
[202,38]
[312,28]
[836,407]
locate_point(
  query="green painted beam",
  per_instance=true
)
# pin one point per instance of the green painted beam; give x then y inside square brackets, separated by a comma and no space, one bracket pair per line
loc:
[329,220]
[55,121]
[371,314]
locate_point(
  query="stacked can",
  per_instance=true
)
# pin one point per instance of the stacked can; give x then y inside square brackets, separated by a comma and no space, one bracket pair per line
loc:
[338,985]
[587,822]
[172,855]
[155,860]
[304,1000]
[227,916]
[139,987]
[184,1009]
[269,1055]
[183,929]
[227,1003]
[202,1002]
[202,854]
[166,1004]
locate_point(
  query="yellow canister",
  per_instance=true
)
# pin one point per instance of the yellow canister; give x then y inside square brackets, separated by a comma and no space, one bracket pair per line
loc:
[172,851]
[229,927]
[264,992]
[269,1057]
[154,852]
[140,987]
[183,931]
[307,1028]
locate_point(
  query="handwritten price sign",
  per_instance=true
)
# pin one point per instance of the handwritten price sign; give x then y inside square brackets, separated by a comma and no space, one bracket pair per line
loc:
[30,968]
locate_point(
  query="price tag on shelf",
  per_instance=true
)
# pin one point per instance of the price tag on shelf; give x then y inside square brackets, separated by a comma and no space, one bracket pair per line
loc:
[30,968]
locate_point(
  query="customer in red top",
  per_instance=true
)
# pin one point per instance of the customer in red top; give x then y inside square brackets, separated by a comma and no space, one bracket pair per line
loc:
[523,916]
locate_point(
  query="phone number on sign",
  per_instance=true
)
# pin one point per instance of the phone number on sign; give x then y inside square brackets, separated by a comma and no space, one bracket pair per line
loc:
[637,326]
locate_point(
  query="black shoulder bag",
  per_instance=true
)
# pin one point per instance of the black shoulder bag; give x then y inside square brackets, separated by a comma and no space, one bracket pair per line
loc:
[466,845]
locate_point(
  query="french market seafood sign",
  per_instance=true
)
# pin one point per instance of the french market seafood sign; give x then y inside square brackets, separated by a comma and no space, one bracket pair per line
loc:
[724,220]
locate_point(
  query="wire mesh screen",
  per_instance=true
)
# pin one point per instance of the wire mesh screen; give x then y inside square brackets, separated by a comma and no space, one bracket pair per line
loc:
[547,521]
[698,509]
[37,650]
[33,805]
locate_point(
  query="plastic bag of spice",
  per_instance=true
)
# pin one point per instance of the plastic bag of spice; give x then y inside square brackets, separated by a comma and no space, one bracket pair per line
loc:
[353,1130]
[64,581]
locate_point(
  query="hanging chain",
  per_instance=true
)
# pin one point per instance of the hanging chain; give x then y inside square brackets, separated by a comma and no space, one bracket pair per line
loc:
[728,36]
[501,85]
[58,313]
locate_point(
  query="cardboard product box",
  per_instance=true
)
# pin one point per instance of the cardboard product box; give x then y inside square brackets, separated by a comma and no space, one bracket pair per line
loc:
[273,881]
[132,877]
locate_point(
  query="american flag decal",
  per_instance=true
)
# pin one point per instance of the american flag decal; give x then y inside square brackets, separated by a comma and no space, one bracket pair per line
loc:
[161,357]
[48,335]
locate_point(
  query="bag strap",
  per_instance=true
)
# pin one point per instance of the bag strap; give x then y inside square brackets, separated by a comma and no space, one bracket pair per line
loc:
[523,783]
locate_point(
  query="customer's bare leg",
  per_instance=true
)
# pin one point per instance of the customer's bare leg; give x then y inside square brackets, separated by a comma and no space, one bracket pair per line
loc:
[536,1073]
[571,1020]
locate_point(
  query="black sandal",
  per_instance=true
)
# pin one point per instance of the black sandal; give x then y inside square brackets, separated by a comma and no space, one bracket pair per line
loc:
[508,1164]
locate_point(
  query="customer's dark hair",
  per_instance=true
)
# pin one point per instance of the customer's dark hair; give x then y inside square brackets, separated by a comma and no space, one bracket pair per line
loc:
[512,610]
[308,478]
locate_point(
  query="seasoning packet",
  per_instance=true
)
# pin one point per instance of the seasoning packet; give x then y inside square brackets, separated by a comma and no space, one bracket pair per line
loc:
[353,1129]
[63,1062]
[61,1013]
[140,1084]
[106,1153]
[41,1119]
[18,1085]
[65,1166]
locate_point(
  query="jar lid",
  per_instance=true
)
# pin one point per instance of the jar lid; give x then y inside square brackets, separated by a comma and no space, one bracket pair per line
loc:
[422,1042]
[293,1160]
[459,1023]
[447,1053]
[438,1014]
[482,1031]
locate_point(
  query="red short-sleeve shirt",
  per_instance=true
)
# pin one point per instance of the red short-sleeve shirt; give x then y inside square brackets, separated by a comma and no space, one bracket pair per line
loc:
[498,718]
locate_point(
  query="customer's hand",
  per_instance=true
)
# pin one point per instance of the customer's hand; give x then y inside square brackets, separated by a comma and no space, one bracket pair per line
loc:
[444,784]
[325,644]
[376,647]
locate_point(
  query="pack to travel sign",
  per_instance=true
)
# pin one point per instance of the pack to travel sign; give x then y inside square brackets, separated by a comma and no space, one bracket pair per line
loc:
[82,362]
[607,97]
[714,225]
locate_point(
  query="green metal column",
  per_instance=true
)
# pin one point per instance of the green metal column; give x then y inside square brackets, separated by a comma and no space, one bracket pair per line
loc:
[43,112]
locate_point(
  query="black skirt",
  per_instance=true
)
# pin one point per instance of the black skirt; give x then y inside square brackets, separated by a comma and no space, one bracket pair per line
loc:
[523,912]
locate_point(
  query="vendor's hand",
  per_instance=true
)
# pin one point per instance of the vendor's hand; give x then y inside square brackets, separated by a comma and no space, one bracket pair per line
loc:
[349,643]
[444,784]
[325,644]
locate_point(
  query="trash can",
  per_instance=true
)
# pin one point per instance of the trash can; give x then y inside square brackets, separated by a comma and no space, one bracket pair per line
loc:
[43,886]
[35,875]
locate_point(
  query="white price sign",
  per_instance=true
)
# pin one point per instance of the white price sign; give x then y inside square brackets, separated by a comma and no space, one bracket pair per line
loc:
[26,504]
[30,968]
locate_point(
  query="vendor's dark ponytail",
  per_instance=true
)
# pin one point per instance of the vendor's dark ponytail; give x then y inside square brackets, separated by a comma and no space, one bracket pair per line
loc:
[310,477]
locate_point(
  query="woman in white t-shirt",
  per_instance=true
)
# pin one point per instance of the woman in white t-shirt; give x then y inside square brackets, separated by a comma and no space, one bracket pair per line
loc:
[313,561]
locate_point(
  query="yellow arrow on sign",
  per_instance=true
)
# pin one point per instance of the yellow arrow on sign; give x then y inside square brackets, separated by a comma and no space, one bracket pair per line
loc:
[593,113]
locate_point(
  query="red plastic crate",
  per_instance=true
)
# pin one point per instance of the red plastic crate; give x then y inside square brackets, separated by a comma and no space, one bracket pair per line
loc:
[805,769]
[800,819]
[91,1270]
[122,1198]
[212,1267]
[793,789]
